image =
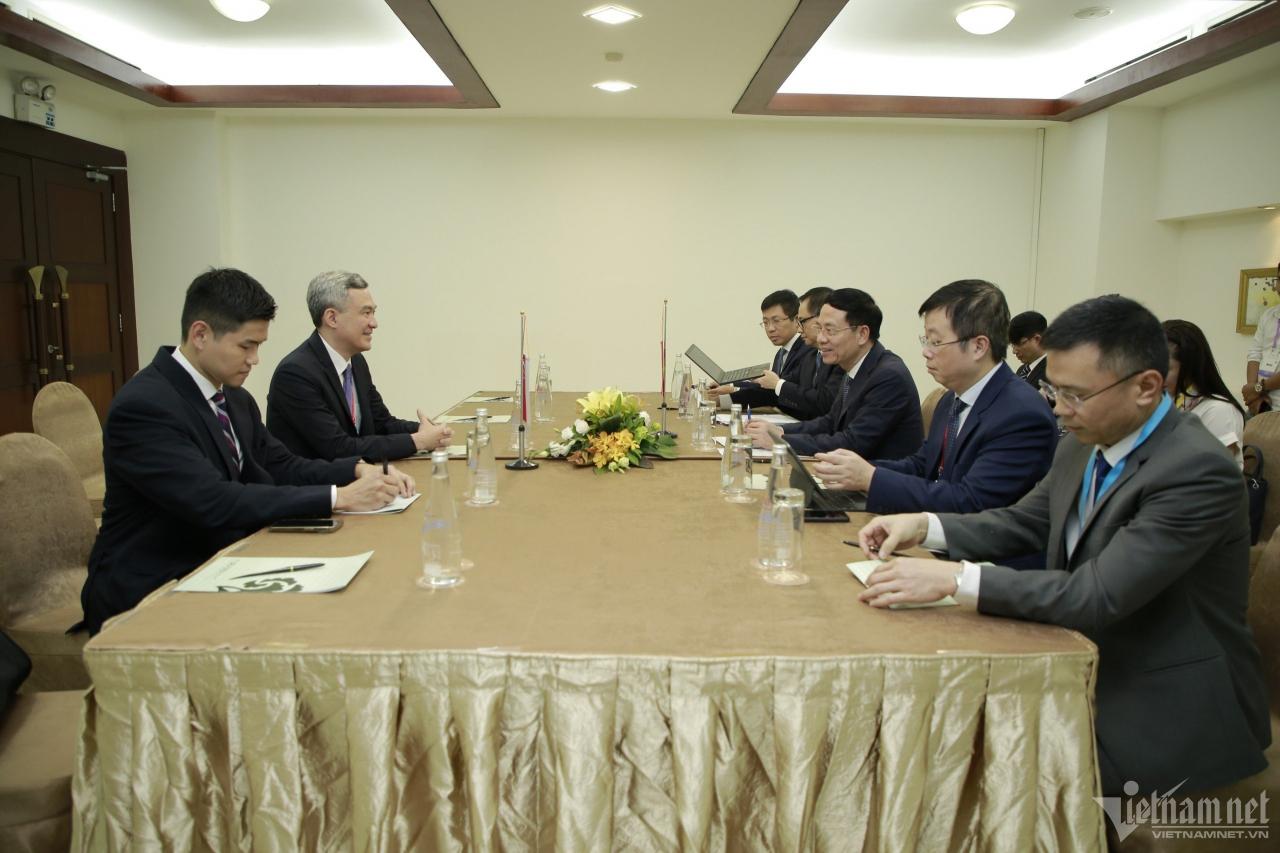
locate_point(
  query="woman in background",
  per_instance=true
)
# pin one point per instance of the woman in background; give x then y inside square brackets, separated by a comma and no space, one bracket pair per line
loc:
[1197,387]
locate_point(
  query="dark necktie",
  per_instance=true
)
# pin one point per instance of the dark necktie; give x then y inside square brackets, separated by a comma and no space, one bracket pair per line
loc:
[219,401]
[1023,370]
[950,433]
[1100,470]
[779,360]
[349,391]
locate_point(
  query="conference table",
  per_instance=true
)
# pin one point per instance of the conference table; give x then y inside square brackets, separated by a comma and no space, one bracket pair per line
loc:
[613,674]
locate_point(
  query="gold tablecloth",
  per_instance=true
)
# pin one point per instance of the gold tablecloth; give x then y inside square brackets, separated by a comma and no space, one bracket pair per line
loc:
[613,675]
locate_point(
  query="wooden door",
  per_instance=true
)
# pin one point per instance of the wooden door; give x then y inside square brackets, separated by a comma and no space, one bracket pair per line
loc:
[77,241]
[19,380]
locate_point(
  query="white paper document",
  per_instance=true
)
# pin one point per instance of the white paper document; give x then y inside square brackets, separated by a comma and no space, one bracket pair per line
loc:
[399,504]
[470,419]
[271,574]
[757,453]
[779,418]
[456,451]
[495,399]
[862,570]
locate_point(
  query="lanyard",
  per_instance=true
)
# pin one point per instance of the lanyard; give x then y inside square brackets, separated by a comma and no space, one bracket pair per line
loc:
[1114,474]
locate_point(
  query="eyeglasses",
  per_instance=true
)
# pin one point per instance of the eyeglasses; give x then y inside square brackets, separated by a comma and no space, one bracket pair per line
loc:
[773,324]
[832,331]
[933,346]
[1074,400]
[805,320]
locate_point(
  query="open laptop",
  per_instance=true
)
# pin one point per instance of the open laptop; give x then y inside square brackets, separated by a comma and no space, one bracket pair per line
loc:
[821,503]
[722,377]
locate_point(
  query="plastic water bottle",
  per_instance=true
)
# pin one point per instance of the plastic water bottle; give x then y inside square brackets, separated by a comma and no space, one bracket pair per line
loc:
[779,478]
[542,391]
[735,430]
[484,468]
[441,534]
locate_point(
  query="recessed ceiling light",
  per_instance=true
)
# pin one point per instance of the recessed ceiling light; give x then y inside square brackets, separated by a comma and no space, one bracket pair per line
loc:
[611,14]
[984,18]
[241,10]
[1091,13]
[614,85]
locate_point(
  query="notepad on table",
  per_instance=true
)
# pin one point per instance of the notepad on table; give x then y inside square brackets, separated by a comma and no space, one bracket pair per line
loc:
[470,419]
[399,504]
[863,569]
[757,453]
[246,574]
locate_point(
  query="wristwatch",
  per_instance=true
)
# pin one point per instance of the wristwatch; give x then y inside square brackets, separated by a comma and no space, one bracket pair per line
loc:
[1257,387]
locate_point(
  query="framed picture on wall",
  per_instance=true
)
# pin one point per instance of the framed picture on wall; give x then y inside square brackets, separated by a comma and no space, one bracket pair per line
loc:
[1257,294]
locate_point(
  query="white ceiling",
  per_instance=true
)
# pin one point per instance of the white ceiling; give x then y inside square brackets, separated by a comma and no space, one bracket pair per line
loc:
[688,58]
[915,47]
[299,42]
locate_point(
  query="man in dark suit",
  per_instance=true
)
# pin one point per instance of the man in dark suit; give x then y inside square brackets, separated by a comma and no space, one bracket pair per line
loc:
[778,313]
[812,392]
[323,403]
[190,468]
[992,438]
[876,413]
[1025,333]
[1144,521]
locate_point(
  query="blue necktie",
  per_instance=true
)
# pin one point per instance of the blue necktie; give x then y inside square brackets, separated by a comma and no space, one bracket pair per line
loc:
[779,360]
[1100,470]
[219,401]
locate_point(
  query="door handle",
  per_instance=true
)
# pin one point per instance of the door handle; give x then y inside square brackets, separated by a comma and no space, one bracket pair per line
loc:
[65,351]
[38,329]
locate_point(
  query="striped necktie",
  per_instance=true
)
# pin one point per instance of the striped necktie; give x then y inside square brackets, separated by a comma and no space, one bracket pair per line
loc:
[219,401]
[349,391]
[1023,370]
[949,435]
[779,359]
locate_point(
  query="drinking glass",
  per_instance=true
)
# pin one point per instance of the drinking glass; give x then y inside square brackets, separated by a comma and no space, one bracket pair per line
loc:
[787,551]
[702,428]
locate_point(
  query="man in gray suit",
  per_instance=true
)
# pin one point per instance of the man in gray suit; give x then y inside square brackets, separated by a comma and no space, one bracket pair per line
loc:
[1144,522]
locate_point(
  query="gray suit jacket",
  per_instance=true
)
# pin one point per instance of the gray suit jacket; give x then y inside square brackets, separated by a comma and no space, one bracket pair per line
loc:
[1159,580]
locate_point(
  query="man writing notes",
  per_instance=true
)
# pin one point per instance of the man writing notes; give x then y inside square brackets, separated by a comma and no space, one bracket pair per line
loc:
[992,436]
[876,412]
[190,468]
[323,403]
[1144,521]
[778,318]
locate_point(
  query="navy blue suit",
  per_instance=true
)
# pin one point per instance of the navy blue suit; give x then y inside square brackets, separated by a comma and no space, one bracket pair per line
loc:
[1004,447]
[813,392]
[175,495]
[795,368]
[307,410]
[880,417]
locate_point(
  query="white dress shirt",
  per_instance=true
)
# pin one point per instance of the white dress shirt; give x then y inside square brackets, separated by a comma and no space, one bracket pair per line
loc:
[786,349]
[340,365]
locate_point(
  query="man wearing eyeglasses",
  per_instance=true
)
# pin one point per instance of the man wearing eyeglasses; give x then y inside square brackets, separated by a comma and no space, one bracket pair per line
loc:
[876,412]
[778,314]
[1144,521]
[992,437]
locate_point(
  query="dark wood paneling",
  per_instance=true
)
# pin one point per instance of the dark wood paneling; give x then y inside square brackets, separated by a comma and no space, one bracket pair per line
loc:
[75,237]
[812,17]
[419,17]
[423,22]
[316,96]
[18,355]
[1237,38]
[35,141]
[127,326]
[898,106]
[803,29]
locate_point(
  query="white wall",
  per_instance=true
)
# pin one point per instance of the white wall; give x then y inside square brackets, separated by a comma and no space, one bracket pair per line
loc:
[84,110]
[459,224]
[1221,150]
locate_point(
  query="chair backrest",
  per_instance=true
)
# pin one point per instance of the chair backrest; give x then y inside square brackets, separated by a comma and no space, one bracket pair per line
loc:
[1264,616]
[63,414]
[929,404]
[1263,431]
[46,528]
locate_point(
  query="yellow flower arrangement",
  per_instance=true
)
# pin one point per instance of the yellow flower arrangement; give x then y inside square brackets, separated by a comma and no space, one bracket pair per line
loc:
[613,434]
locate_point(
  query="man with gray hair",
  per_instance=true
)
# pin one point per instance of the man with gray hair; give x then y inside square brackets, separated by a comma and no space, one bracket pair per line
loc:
[323,403]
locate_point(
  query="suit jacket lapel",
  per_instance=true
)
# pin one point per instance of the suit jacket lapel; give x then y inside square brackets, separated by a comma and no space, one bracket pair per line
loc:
[995,385]
[190,393]
[337,399]
[859,383]
[941,413]
[361,380]
[1062,501]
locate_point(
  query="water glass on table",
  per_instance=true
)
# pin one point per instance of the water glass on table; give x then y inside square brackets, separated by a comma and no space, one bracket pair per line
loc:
[737,487]
[783,549]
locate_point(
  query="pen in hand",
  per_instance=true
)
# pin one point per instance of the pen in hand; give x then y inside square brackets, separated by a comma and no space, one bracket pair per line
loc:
[300,568]
[384,464]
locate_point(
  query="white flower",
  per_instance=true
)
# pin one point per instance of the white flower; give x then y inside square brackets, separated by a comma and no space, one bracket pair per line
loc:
[566,434]
[644,416]
[557,450]
[580,425]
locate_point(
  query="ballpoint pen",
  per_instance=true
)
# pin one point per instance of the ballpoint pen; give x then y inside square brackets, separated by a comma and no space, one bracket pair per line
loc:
[285,570]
